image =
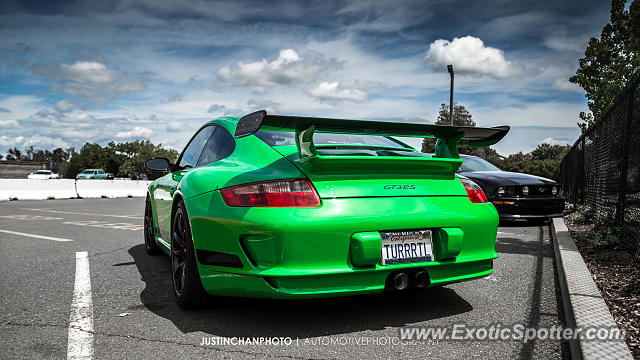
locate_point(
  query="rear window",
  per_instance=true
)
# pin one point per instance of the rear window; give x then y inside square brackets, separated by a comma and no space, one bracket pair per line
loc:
[283,138]
[476,164]
[43,172]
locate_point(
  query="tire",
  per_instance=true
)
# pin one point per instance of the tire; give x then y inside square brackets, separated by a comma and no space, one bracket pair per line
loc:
[187,285]
[149,233]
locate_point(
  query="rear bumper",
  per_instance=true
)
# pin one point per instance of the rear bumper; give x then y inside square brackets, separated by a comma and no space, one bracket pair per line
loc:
[528,208]
[352,282]
[307,252]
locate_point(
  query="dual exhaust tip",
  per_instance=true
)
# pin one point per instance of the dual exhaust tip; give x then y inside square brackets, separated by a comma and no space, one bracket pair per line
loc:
[403,280]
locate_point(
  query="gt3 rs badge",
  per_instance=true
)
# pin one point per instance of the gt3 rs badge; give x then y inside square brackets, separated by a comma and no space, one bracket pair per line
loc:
[399,187]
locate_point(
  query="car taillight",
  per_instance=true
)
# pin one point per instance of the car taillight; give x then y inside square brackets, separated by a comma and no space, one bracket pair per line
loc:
[475,193]
[276,193]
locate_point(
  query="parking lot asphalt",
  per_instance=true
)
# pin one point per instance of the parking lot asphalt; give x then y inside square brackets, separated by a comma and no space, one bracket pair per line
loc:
[134,314]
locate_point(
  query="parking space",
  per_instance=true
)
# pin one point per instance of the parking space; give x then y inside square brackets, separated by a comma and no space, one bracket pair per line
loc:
[134,314]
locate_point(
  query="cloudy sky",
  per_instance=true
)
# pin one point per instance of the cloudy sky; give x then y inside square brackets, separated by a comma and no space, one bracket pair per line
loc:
[78,71]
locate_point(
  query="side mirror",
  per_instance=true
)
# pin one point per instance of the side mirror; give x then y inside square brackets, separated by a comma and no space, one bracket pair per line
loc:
[158,164]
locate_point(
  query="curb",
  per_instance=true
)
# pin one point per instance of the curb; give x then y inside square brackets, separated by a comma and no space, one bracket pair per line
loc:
[583,304]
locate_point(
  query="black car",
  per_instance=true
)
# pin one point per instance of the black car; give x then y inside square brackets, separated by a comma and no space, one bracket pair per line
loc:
[515,195]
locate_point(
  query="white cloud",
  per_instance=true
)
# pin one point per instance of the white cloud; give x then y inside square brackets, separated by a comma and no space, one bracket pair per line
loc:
[469,55]
[215,108]
[173,98]
[288,69]
[92,80]
[552,141]
[42,117]
[46,142]
[136,132]
[88,72]
[548,114]
[20,106]
[63,106]
[174,126]
[564,43]
[515,25]
[382,16]
[337,92]
[261,104]
[565,85]
[10,141]
[8,123]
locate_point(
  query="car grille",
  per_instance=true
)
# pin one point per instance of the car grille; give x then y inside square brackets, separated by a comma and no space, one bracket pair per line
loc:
[537,191]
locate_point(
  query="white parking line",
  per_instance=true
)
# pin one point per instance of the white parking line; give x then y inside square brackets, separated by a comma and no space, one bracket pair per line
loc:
[35,236]
[87,214]
[30,217]
[106,225]
[80,343]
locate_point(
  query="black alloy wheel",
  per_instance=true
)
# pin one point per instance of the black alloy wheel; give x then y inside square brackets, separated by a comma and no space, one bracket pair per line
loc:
[149,234]
[184,270]
[178,252]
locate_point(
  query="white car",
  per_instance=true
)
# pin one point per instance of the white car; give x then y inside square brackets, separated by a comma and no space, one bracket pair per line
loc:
[43,175]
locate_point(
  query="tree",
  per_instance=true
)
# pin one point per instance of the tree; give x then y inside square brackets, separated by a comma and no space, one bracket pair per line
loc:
[113,158]
[59,158]
[123,159]
[543,161]
[610,61]
[90,156]
[29,151]
[138,152]
[546,151]
[15,154]
[461,117]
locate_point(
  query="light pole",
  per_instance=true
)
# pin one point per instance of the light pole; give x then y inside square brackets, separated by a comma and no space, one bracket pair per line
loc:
[450,70]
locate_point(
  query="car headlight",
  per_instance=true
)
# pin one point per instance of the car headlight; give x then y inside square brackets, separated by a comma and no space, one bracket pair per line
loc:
[501,191]
[525,190]
[554,190]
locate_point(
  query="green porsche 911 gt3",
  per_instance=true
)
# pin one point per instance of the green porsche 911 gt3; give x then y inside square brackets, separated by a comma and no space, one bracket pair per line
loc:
[294,207]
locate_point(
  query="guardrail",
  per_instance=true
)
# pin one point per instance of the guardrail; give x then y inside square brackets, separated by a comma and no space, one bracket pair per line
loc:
[26,189]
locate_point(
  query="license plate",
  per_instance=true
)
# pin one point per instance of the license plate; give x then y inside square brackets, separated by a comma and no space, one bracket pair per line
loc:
[401,247]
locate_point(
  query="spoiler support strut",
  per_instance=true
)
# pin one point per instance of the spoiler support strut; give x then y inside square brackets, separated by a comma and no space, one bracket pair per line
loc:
[304,142]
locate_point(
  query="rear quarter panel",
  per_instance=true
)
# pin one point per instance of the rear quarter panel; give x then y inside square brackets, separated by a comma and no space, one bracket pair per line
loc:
[251,161]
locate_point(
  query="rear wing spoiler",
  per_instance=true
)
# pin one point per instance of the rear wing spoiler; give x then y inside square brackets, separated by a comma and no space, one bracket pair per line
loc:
[304,127]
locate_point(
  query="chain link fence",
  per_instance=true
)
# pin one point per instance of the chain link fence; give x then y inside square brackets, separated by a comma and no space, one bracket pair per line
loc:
[601,172]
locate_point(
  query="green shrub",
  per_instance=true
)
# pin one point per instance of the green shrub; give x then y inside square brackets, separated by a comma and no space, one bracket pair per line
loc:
[582,215]
[605,237]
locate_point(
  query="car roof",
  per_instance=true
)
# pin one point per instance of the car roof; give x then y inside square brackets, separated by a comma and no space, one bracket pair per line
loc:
[228,122]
